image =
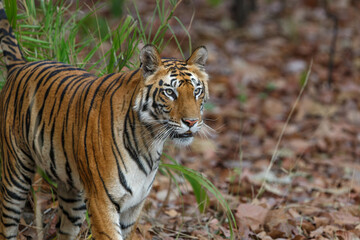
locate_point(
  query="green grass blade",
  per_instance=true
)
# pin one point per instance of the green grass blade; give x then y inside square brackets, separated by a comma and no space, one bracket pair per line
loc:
[11,12]
[176,40]
[206,185]
[186,31]
[200,193]
[46,177]
[141,29]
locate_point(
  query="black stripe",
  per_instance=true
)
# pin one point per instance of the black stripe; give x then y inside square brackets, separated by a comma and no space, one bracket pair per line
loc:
[105,234]
[126,136]
[2,14]
[61,232]
[9,209]
[87,122]
[67,164]
[21,164]
[11,43]
[122,178]
[121,78]
[154,105]
[22,85]
[69,200]
[9,237]
[4,215]
[132,75]
[116,205]
[14,196]
[12,180]
[81,208]
[72,219]
[125,226]
[71,100]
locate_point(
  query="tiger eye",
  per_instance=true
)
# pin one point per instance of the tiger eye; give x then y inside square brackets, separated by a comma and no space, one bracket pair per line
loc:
[197,91]
[169,92]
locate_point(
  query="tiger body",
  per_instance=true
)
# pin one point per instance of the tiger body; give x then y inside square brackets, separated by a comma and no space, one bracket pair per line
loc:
[73,126]
[99,138]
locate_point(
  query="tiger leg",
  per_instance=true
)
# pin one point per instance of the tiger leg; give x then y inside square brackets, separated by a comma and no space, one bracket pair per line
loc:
[71,212]
[129,219]
[16,179]
[104,216]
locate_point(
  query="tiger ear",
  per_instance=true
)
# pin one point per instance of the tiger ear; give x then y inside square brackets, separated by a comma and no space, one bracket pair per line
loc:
[150,60]
[198,57]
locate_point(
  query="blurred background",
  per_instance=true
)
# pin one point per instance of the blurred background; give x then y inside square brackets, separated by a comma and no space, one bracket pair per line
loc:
[284,106]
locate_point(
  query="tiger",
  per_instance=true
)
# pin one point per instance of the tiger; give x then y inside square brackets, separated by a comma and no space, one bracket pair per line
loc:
[99,138]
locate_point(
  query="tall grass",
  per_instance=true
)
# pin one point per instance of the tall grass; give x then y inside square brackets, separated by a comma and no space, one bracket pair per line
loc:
[48,31]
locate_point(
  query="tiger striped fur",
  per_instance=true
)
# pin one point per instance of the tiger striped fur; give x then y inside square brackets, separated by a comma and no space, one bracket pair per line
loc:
[99,138]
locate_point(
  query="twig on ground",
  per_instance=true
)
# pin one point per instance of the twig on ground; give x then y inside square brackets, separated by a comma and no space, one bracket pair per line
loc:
[275,154]
[335,20]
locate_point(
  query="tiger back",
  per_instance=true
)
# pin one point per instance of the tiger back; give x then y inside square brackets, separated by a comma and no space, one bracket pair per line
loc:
[99,138]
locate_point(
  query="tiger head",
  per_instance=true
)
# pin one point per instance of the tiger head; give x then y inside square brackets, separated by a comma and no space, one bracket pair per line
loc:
[174,94]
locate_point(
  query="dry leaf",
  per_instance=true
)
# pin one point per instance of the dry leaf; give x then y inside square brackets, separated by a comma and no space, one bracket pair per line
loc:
[250,215]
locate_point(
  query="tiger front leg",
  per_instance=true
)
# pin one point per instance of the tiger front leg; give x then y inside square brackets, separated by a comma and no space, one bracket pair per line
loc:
[104,217]
[129,219]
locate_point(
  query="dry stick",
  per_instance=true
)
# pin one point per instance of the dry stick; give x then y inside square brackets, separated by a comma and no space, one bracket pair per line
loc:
[274,156]
[179,233]
[332,47]
[38,220]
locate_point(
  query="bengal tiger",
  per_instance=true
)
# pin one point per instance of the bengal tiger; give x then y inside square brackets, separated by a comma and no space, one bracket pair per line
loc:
[99,138]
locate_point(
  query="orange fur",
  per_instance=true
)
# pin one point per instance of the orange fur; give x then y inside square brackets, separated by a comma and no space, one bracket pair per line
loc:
[99,138]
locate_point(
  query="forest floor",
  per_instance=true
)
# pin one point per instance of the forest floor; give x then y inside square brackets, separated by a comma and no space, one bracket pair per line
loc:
[288,169]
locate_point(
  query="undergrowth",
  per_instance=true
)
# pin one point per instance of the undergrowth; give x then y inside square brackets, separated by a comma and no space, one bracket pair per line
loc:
[74,34]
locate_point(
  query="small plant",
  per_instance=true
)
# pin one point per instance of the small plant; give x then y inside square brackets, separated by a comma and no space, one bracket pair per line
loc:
[201,185]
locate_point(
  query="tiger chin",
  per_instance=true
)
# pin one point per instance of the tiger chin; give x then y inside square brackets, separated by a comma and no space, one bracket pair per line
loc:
[99,138]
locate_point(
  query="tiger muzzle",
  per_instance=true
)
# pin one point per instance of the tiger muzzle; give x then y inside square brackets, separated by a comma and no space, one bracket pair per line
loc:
[182,135]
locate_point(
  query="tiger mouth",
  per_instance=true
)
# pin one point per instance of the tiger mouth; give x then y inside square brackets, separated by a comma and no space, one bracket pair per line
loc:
[187,134]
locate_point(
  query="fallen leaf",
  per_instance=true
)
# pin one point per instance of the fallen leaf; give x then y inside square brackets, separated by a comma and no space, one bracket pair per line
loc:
[277,223]
[343,218]
[171,213]
[250,215]
[317,232]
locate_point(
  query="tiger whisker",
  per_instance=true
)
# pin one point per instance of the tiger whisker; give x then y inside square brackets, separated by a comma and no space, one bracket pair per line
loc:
[206,131]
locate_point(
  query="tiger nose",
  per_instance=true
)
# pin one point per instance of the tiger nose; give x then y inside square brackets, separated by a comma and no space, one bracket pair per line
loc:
[190,121]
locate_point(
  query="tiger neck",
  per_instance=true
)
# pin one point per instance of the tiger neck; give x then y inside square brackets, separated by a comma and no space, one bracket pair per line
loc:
[141,140]
[141,144]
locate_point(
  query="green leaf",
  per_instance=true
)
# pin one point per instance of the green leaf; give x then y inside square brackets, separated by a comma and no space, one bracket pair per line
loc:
[206,185]
[46,177]
[2,83]
[303,78]
[214,3]
[200,194]
[11,12]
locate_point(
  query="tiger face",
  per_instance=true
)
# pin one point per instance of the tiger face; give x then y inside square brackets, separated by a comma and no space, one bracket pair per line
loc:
[174,94]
